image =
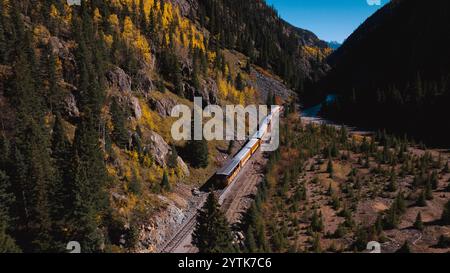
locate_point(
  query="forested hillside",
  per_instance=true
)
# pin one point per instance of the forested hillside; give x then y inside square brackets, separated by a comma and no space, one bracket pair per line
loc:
[393,71]
[85,95]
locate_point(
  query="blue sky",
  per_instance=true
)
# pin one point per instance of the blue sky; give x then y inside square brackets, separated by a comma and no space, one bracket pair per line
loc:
[331,20]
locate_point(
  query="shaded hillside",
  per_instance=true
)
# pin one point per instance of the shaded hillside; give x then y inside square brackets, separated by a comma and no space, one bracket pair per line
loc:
[393,71]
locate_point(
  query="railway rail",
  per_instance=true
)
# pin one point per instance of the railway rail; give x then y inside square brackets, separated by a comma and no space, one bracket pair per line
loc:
[229,173]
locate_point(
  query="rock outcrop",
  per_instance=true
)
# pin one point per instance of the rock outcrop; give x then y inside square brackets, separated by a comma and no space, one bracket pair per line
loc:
[266,85]
[135,107]
[162,106]
[160,151]
[119,80]
[144,83]
[70,107]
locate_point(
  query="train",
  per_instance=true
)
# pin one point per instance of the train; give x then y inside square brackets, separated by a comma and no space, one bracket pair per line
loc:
[227,174]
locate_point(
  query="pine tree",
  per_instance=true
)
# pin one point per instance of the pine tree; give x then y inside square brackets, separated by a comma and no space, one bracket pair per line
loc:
[446,169]
[239,82]
[317,222]
[142,17]
[199,153]
[55,95]
[393,185]
[422,200]
[405,248]
[89,178]
[4,151]
[434,180]
[446,214]
[165,184]
[172,161]
[330,167]
[61,155]
[400,203]
[212,233]
[418,224]
[135,186]
[429,191]
[250,241]
[7,243]
[316,244]
[120,133]
[3,41]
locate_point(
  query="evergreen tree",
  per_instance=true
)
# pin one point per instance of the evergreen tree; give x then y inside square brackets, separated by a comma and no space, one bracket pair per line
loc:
[239,82]
[120,133]
[429,191]
[422,200]
[446,214]
[172,161]
[165,184]
[4,151]
[316,245]
[7,243]
[393,185]
[199,153]
[89,179]
[61,155]
[142,17]
[135,186]
[317,222]
[3,41]
[330,167]
[212,233]
[405,248]
[250,241]
[418,224]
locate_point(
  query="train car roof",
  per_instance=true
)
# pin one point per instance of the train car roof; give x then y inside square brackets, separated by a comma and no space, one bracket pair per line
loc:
[242,154]
[254,136]
[229,167]
[251,143]
[262,129]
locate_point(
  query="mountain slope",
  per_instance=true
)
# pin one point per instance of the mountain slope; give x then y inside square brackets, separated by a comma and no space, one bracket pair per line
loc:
[86,92]
[397,61]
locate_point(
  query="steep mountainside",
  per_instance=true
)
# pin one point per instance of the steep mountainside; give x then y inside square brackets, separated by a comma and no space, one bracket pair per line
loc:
[86,94]
[393,71]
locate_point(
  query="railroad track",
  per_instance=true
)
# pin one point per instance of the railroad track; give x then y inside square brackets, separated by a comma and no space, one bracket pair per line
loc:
[231,198]
[236,202]
[181,235]
[183,232]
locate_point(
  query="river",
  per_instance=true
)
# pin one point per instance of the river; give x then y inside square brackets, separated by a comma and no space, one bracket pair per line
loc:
[312,115]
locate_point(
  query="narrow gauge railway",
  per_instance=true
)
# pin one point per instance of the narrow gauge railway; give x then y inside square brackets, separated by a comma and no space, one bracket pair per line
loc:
[227,174]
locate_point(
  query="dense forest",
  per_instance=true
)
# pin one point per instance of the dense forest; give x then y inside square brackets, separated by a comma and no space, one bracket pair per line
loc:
[85,92]
[393,71]
[256,30]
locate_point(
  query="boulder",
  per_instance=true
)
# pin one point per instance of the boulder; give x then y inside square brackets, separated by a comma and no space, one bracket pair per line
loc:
[186,6]
[61,49]
[182,165]
[118,79]
[189,91]
[136,108]
[162,106]
[144,82]
[209,91]
[70,106]
[158,148]
[160,151]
